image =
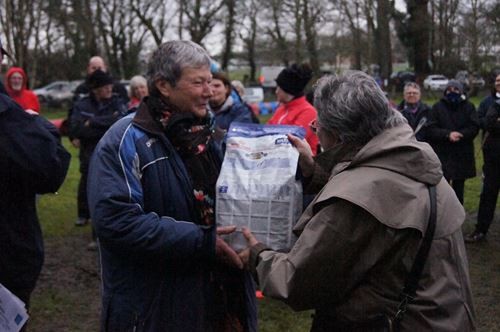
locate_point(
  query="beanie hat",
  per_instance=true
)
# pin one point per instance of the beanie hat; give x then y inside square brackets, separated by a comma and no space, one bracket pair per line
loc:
[99,79]
[294,79]
[455,84]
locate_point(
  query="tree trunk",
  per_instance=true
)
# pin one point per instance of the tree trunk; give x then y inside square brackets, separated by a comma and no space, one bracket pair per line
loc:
[383,38]
[228,33]
[419,28]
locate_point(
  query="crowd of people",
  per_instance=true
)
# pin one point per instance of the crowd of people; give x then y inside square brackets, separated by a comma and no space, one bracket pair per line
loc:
[149,161]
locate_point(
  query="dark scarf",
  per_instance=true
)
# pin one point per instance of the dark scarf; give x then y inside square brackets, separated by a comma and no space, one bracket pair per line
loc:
[191,136]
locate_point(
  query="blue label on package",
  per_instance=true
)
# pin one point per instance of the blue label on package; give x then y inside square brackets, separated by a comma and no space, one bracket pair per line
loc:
[238,129]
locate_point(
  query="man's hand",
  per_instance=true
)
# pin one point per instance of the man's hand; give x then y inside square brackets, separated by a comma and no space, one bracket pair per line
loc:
[306,160]
[223,252]
[76,143]
[455,136]
[251,241]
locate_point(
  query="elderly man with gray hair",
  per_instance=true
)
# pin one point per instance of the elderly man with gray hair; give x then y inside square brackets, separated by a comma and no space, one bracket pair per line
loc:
[362,259]
[152,193]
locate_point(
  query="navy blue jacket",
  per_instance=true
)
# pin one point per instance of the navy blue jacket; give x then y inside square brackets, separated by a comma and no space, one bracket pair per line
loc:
[157,262]
[90,120]
[415,118]
[485,104]
[32,161]
[99,115]
[233,111]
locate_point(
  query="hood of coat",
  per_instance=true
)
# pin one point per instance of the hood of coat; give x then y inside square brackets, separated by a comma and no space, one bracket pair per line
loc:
[397,150]
[388,177]
[11,72]
[225,107]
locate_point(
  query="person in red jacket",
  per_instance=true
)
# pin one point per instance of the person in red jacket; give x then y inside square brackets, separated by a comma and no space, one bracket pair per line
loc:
[16,85]
[294,109]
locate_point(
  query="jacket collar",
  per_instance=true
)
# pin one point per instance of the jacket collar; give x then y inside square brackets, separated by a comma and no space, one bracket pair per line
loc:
[225,107]
[340,154]
[294,102]
[145,120]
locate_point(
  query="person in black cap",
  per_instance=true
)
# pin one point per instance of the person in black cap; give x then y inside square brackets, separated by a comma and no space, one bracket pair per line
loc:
[91,118]
[83,90]
[294,109]
[453,125]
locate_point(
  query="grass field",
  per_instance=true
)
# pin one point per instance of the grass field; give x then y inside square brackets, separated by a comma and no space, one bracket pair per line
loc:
[67,294]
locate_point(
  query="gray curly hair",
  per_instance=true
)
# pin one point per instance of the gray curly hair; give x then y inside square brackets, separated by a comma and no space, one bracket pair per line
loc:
[353,107]
[168,61]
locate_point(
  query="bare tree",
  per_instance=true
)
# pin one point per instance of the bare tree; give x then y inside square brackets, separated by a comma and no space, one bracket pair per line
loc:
[474,25]
[311,11]
[248,34]
[201,17]
[443,37]
[352,14]
[229,25]
[156,16]
[295,7]
[419,24]
[275,31]
[122,35]
[383,38]
[18,20]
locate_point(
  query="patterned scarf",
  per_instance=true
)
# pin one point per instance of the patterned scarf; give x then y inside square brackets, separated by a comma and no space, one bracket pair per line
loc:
[190,136]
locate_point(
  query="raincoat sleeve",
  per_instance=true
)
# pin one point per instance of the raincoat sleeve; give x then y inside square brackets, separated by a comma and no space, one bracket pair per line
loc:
[33,146]
[337,247]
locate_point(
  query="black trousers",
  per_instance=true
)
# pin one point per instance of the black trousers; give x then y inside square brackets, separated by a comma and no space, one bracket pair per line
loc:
[458,187]
[86,151]
[489,193]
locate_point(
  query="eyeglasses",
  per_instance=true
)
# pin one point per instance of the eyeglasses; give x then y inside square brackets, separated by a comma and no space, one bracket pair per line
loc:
[314,126]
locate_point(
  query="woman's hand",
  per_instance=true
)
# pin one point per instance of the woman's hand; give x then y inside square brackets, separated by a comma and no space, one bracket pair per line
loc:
[223,251]
[306,161]
[251,241]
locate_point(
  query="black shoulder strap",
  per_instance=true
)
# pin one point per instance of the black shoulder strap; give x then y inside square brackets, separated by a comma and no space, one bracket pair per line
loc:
[411,284]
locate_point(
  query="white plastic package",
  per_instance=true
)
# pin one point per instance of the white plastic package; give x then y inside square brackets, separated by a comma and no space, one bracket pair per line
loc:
[257,185]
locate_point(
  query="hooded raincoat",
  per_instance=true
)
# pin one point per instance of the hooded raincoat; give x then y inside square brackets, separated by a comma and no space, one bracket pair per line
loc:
[359,237]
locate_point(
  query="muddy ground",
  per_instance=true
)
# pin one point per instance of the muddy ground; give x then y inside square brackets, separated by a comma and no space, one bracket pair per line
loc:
[67,294]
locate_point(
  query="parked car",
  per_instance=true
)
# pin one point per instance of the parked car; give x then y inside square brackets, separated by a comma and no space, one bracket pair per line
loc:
[435,82]
[253,95]
[57,93]
[470,81]
[400,78]
[477,81]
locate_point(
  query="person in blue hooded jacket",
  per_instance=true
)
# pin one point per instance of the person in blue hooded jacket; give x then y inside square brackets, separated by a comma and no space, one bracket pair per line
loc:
[151,194]
[224,105]
[453,125]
